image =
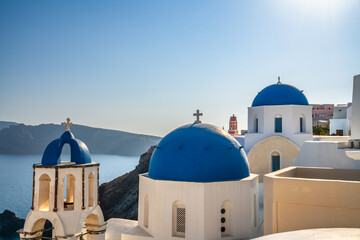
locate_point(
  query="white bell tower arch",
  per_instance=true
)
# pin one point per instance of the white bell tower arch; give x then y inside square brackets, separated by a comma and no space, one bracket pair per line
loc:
[65,194]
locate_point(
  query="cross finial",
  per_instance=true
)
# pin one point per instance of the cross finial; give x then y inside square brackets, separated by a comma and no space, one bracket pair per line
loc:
[67,124]
[278,80]
[197,114]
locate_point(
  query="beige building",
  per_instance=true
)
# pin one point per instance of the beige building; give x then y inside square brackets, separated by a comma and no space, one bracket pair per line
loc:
[298,198]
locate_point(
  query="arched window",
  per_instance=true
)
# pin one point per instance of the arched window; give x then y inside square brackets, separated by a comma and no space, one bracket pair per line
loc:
[278,123]
[179,219]
[226,217]
[44,192]
[256,124]
[91,189]
[146,211]
[69,192]
[302,124]
[275,161]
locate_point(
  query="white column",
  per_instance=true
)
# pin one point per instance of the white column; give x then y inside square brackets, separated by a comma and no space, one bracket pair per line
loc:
[355,118]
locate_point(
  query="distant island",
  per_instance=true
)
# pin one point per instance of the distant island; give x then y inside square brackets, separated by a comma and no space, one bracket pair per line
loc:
[18,138]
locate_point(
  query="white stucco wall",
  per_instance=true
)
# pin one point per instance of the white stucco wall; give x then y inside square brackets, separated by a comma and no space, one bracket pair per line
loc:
[290,123]
[355,111]
[65,222]
[348,118]
[203,203]
[325,154]
[338,124]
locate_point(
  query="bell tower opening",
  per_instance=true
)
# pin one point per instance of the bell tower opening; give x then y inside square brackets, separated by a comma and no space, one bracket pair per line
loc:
[69,192]
[91,189]
[44,192]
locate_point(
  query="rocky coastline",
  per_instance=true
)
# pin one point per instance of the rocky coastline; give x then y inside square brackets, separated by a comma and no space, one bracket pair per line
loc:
[9,223]
[119,197]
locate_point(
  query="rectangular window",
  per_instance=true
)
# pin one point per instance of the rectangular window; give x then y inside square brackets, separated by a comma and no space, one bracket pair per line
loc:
[275,163]
[278,125]
[180,220]
[301,125]
[256,125]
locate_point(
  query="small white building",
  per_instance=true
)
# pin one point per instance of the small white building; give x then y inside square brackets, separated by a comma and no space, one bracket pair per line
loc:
[279,122]
[336,152]
[340,123]
[198,187]
[65,194]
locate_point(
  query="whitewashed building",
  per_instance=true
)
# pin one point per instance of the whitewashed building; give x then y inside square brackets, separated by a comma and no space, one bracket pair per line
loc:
[340,124]
[198,187]
[65,194]
[336,152]
[279,122]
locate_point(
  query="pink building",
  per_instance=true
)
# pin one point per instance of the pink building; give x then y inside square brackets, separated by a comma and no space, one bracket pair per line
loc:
[322,112]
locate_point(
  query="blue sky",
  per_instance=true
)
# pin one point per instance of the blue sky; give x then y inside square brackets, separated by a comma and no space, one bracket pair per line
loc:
[146,66]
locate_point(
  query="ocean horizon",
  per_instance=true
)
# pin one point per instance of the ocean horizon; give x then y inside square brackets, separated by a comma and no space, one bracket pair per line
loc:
[16,176]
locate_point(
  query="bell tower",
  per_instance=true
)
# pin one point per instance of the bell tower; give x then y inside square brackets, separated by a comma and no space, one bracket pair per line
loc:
[65,194]
[233,131]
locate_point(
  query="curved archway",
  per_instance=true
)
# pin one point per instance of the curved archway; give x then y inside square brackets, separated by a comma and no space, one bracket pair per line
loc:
[94,224]
[259,156]
[34,227]
[178,219]
[44,192]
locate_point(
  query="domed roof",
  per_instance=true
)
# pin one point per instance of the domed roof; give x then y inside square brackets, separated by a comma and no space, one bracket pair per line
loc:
[79,152]
[280,94]
[198,153]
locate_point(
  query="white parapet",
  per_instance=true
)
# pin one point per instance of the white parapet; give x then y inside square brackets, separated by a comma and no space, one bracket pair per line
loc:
[355,118]
[355,155]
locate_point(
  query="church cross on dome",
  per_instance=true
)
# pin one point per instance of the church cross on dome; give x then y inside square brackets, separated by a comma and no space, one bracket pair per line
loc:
[197,114]
[67,124]
[278,80]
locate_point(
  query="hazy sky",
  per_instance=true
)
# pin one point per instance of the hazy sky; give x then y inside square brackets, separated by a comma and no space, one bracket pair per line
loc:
[146,66]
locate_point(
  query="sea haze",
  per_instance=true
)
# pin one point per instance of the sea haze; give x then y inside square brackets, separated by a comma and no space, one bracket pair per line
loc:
[16,174]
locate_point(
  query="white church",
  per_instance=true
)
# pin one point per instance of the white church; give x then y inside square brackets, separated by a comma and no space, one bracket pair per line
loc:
[279,122]
[200,184]
[198,187]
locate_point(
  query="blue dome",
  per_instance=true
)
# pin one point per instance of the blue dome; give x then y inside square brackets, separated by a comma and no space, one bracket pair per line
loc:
[79,152]
[198,153]
[280,94]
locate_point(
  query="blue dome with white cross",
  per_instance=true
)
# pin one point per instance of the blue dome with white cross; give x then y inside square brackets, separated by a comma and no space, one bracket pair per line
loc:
[199,153]
[280,94]
[79,151]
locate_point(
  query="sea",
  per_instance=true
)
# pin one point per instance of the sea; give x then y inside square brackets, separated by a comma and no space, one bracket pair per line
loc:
[16,174]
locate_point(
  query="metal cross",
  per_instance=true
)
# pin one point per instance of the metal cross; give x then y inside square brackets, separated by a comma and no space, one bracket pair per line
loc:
[278,80]
[67,124]
[197,114]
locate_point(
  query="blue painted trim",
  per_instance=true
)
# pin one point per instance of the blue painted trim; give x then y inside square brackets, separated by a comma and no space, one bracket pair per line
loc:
[79,151]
